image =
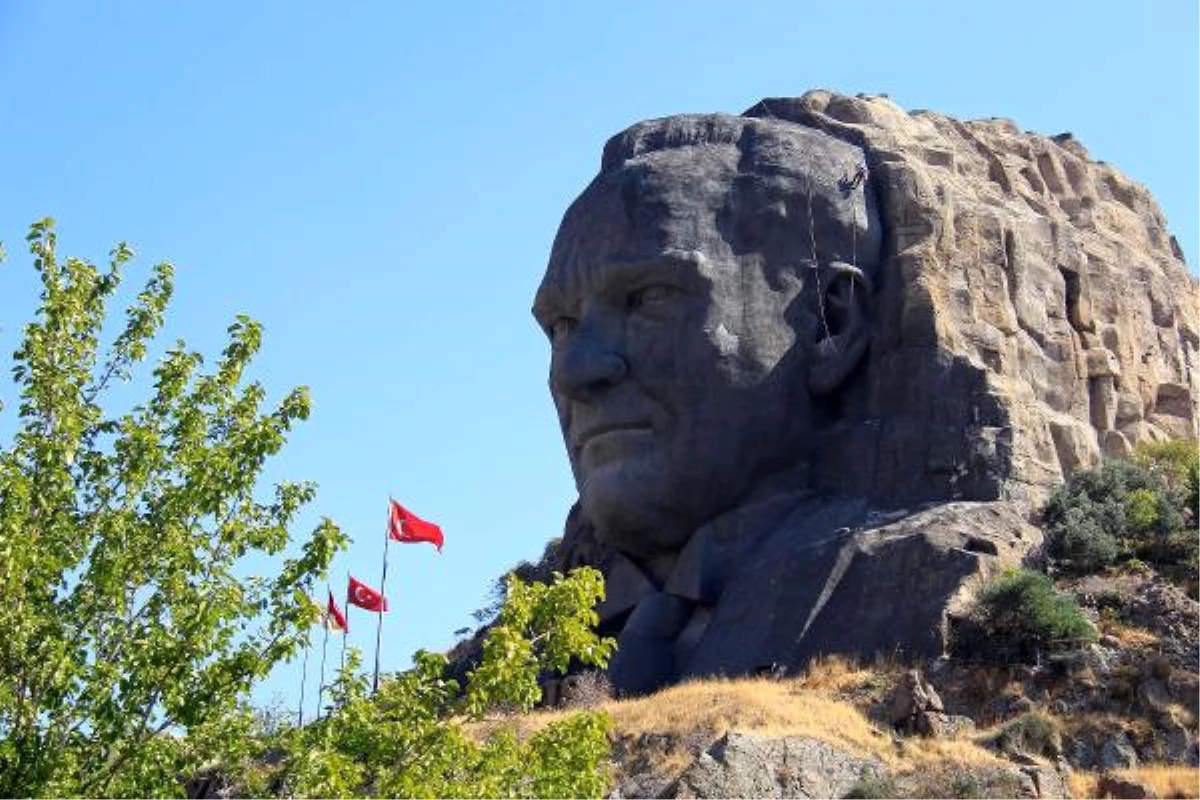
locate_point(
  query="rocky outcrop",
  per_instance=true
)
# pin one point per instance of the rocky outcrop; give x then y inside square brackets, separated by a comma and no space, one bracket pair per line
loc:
[1033,315]
[756,765]
[816,365]
[747,765]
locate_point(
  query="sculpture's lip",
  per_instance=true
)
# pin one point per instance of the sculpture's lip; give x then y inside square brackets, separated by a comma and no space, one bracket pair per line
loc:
[579,440]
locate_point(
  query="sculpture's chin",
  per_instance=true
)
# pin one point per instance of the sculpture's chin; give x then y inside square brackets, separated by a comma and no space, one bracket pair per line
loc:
[642,542]
[629,512]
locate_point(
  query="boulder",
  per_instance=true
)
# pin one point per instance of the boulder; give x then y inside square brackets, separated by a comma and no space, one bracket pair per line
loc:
[1117,753]
[944,726]
[912,696]
[1124,788]
[747,765]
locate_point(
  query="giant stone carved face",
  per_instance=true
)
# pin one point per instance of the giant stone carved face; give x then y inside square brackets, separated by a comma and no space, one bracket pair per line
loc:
[680,337]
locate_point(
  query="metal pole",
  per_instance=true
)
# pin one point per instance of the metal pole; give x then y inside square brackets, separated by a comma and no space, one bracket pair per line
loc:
[383,594]
[324,652]
[346,611]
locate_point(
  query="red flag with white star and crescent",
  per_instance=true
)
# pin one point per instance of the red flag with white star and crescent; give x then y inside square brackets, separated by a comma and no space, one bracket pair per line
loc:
[363,596]
[405,526]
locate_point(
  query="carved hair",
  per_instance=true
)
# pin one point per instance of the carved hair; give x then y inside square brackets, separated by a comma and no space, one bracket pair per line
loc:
[784,170]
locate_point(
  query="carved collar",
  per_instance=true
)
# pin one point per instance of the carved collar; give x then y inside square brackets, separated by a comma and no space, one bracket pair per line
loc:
[703,565]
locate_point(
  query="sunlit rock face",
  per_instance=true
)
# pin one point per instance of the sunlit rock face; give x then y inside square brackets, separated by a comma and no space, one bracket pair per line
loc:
[1049,277]
[815,364]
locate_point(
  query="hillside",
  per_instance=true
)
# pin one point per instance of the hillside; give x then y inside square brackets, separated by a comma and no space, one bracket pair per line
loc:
[1054,731]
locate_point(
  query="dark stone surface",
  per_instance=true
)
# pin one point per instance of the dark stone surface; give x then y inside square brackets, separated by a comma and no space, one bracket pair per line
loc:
[692,307]
[770,369]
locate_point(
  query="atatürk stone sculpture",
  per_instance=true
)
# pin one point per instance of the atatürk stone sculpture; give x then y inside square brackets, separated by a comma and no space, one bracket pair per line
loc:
[814,364]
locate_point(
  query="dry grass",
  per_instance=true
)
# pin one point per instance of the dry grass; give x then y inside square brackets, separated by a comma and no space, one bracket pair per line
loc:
[1165,780]
[828,703]
[1131,637]
[683,719]
[839,675]
[773,708]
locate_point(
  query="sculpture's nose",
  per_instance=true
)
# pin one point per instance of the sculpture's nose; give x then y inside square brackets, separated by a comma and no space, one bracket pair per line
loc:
[587,365]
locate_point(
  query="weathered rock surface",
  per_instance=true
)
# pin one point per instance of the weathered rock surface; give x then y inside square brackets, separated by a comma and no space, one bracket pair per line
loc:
[998,311]
[1117,753]
[1034,314]
[757,765]
[912,697]
[747,765]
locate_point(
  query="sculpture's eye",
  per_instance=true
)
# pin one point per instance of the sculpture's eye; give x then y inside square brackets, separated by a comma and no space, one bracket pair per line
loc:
[650,297]
[560,328]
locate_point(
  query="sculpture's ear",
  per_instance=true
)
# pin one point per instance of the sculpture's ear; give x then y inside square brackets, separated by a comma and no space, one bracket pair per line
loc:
[843,322]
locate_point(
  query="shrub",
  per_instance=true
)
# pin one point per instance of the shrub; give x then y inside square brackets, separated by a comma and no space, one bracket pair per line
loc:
[964,785]
[1141,510]
[1119,507]
[1191,495]
[1020,616]
[1033,734]
[409,738]
[1177,464]
[587,689]
[1081,539]
[873,785]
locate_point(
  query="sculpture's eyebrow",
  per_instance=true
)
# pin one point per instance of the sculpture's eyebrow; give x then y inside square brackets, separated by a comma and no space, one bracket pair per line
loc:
[671,263]
[554,296]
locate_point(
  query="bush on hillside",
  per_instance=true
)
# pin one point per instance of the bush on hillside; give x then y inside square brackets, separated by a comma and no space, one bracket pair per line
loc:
[873,785]
[950,780]
[1141,511]
[1191,495]
[1177,464]
[1032,734]
[1120,508]
[1081,539]
[1020,617]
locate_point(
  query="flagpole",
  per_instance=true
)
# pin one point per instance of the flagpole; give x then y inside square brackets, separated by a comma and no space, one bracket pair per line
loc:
[347,613]
[324,652]
[387,538]
[303,681]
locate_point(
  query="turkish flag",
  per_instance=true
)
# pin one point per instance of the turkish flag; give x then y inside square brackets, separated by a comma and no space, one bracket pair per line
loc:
[335,617]
[363,596]
[405,526]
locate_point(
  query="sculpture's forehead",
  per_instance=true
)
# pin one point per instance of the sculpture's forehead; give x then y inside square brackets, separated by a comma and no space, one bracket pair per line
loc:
[672,191]
[669,201]
[772,189]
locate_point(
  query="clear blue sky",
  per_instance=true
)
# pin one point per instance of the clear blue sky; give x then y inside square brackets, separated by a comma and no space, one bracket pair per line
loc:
[379,183]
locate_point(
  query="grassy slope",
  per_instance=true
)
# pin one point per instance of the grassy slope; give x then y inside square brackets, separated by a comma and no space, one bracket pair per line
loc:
[835,702]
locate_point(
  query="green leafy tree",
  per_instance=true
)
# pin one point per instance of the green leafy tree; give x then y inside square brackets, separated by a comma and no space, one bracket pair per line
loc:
[130,639]
[421,735]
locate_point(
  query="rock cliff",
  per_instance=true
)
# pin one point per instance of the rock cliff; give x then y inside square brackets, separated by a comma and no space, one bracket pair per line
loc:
[1033,315]
[978,311]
